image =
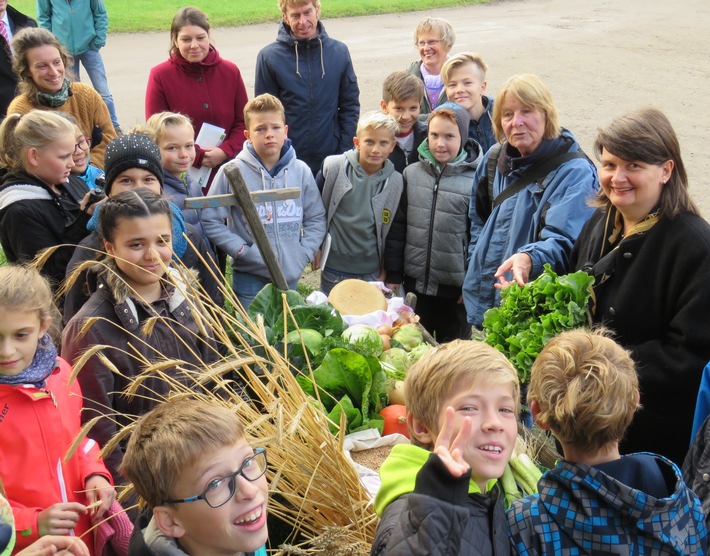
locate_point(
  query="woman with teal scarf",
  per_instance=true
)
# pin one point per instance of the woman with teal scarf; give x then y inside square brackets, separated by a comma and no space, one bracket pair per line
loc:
[40,62]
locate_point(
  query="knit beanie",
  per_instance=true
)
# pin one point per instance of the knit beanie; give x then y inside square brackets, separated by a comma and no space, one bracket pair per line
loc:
[134,150]
[461,115]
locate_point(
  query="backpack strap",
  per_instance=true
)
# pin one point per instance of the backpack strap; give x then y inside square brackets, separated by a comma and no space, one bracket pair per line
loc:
[493,154]
[534,174]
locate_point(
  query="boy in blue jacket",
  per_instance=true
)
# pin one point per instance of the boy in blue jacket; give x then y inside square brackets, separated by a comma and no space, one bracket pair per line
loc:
[295,227]
[584,389]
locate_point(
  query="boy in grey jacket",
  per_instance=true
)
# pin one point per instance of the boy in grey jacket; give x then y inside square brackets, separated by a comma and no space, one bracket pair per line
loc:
[361,191]
[295,227]
[427,248]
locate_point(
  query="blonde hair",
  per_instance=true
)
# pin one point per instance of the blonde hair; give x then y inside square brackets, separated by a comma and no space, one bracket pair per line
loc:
[173,436]
[157,124]
[646,135]
[35,130]
[402,85]
[461,59]
[263,103]
[25,40]
[23,288]
[586,387]
[436,25]
[377,120]
[284,4]
[530,91]
[441,371]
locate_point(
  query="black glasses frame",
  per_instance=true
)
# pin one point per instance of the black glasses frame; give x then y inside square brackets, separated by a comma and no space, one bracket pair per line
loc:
[232,478]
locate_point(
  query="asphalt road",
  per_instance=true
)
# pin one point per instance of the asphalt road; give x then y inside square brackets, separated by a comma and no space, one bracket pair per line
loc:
[600,58]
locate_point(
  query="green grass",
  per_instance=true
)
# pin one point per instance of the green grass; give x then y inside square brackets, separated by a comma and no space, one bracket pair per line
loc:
[155,15]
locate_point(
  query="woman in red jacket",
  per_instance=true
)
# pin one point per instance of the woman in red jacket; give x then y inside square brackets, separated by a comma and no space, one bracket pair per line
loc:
[197,82]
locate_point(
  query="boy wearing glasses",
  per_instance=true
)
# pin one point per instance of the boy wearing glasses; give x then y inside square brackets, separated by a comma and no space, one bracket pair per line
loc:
[205,487]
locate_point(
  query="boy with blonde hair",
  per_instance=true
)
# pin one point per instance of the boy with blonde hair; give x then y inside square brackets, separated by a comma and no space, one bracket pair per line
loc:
[401,93]
[204,485]
[295,226]
[464,77]
[361,191]
[439,495]
[584,389]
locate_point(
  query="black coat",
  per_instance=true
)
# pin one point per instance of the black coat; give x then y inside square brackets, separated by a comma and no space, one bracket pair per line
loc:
[8,79]
[441,519]
[657,302]
[33,217]
[398,156]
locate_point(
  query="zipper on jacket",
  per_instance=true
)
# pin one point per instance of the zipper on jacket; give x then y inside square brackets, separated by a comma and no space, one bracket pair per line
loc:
[275,210]
[427,266]
[51,395]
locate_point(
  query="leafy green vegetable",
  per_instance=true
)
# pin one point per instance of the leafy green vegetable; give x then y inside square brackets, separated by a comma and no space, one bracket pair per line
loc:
[398,360]
[364,339]
[344,373]
[529,316]
[323,318]
[312,340]
[408,336]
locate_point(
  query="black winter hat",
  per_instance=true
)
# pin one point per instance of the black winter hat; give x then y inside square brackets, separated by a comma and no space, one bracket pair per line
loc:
[463,118]
[134,150]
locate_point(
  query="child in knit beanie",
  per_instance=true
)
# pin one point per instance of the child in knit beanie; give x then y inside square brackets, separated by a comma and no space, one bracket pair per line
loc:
[427,246]
[133,160]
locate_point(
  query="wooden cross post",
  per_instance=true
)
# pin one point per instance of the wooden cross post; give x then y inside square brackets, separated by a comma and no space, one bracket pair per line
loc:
[245,199]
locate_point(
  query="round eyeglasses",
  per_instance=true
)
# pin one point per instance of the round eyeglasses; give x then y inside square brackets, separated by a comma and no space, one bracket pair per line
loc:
[83,143]
[221,491]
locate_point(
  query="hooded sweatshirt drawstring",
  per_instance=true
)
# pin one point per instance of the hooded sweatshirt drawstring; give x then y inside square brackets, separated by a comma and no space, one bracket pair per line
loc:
[322,63]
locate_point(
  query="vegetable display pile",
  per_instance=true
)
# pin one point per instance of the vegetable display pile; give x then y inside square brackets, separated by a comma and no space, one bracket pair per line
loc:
[354,372]
[529,316]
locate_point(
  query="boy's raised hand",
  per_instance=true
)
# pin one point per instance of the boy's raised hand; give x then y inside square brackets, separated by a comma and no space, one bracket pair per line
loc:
[59,519]
[99,489]
[451,451]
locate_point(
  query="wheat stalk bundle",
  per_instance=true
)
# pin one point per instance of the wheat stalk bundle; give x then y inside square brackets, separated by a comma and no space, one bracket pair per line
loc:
[319,493]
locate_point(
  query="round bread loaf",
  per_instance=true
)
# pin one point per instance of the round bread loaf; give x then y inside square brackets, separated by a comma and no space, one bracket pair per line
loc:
[357,297]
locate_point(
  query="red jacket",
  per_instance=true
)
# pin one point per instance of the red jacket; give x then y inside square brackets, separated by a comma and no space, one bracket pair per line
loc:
[211,91]
[37,428]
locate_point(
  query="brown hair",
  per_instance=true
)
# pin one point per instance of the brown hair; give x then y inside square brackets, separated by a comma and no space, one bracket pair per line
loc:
[530,91]
[189,15]
[25,40]
[587,389]
[442,370]
[402,85]
[263,103]
[646,135]
[175,435]
[37,129]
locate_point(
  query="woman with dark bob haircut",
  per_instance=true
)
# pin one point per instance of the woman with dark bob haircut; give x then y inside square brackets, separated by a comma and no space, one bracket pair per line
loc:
[649,252]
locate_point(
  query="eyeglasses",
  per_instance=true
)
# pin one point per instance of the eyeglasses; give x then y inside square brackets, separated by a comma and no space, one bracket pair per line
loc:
[221,491]
[83,143]
[433,42]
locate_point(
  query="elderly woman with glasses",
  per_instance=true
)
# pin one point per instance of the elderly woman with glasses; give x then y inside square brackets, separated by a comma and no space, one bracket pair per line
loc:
[434,37]
[530,196]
